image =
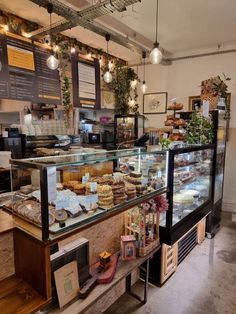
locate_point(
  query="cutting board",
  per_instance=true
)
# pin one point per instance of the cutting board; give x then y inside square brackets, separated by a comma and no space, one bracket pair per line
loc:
[99,276]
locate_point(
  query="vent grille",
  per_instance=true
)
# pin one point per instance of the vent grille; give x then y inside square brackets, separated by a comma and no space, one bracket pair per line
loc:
[186,244]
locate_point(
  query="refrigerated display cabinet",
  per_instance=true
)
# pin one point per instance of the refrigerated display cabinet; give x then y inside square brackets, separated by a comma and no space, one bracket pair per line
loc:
[128,128]
[190,179]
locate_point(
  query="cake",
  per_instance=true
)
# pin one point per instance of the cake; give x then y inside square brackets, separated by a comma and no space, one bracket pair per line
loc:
[183,198]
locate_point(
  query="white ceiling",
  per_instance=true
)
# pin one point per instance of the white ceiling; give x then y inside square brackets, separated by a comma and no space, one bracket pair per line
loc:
[184,25]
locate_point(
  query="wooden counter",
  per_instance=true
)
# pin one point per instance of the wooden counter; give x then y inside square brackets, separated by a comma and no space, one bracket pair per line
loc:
[6,222]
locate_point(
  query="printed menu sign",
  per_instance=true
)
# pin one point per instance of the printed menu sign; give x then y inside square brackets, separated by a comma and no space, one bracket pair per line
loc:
[86,74]
[24,74]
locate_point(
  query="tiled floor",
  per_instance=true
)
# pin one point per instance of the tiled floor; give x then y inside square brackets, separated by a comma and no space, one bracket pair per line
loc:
[205,282]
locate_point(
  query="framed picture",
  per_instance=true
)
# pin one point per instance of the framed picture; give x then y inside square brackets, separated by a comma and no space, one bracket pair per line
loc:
[194,103]
[154,103]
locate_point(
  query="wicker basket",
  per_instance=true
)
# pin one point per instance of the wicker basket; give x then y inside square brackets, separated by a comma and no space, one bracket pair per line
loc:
[213,100]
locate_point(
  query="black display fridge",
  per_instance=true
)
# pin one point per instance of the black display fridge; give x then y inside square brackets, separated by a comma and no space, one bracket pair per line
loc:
[128,128]
[214,219]
[220,137]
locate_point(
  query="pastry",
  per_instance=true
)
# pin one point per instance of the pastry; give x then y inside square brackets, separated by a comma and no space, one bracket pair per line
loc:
[91,188]
[70,184]
[61,215]
[135,174]
[105,196]
[120,199]
[103,189]
[132,180]
[79,189]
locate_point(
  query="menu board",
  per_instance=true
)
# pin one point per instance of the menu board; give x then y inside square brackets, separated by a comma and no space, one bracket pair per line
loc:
[24,74]
[86,75]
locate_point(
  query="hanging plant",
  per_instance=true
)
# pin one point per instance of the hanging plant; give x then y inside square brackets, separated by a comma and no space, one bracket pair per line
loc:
[66,100]
[123,92]
[200,130]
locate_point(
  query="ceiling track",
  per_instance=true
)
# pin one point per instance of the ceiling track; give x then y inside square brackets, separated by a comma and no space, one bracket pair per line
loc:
[200,55]
[85,18]
[168,61]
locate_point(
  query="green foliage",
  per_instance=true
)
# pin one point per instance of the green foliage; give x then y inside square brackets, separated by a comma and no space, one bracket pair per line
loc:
[121,86]
[200,130]
[165,143]
[66,95]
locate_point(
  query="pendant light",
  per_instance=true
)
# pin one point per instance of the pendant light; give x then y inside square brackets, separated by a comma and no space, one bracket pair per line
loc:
[107,76]
[52,61]
[144,85]
[156,54]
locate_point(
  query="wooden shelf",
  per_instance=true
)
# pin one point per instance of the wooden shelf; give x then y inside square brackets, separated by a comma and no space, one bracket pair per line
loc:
[16,296]
[124,268]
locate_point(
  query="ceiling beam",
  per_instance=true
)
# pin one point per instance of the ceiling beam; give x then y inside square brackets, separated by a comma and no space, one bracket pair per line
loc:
[85,18]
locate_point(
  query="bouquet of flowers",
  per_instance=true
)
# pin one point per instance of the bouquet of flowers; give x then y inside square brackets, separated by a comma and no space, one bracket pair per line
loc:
[157,204]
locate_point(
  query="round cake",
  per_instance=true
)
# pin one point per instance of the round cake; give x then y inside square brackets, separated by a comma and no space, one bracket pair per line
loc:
[183,198]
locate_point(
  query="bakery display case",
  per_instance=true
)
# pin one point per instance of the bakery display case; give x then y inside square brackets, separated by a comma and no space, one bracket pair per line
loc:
[52,196]
[190,179]
[128,128]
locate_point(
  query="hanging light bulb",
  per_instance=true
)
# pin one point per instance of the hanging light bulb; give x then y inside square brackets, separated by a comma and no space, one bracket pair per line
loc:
[131,102]
[110,65]
[52,61]
[72,49]
[144,87]
[6,28]
[107,76]
[133,84]
[100,61]
[156,54]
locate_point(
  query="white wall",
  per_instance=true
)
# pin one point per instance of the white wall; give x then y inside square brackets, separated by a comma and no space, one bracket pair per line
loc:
[182,79]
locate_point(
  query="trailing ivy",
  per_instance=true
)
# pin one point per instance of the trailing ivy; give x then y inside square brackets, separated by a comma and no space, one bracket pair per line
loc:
[123,92]
[66,96]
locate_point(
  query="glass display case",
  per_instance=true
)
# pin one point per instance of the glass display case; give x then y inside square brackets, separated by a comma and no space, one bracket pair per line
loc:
[189,190]
[54,195]
[128,128]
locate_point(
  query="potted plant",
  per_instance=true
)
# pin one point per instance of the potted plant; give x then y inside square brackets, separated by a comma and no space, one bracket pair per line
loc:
[200,130]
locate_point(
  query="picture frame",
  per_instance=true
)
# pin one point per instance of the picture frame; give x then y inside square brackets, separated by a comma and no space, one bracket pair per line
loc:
[194,102]
[155,103]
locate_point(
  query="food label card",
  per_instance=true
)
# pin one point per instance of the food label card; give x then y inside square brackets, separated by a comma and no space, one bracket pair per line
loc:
[52,183]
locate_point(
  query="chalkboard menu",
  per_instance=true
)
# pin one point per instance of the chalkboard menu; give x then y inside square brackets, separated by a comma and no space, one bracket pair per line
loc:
[24,74]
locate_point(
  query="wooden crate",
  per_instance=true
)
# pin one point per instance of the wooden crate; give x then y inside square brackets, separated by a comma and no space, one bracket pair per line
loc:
[169,259]
[138,223]
[201,231]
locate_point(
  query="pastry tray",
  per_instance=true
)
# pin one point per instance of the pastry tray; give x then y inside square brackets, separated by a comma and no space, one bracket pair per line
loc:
[71,222]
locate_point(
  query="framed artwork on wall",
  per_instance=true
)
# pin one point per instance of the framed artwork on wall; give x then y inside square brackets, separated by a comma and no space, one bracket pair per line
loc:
[154,103]
[194,103]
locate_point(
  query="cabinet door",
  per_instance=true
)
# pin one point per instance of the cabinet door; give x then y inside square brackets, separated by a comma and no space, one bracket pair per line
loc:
[168,260]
